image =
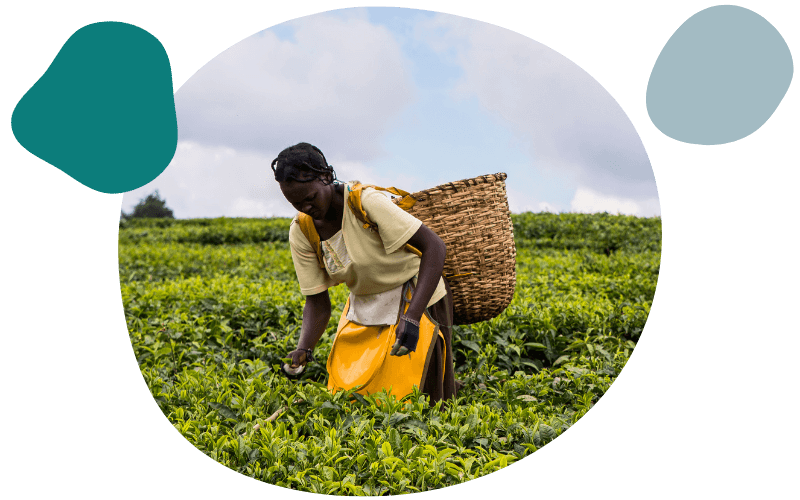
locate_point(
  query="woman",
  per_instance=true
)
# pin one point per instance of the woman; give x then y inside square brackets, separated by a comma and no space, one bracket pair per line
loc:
[398,301]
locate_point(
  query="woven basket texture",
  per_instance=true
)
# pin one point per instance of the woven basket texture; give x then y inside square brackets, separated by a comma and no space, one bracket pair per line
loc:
[472,217]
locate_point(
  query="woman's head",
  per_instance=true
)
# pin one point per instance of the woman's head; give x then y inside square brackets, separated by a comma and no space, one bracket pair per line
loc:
[302,163]
[305,179]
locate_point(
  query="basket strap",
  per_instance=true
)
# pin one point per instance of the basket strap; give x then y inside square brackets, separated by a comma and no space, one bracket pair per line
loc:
[308,229]
[354,202]
[407,201]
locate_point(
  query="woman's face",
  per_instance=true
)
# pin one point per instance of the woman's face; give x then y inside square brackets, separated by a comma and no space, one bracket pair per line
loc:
[313,198]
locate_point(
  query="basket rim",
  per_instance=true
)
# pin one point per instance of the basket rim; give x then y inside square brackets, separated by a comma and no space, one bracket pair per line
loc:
[466,183]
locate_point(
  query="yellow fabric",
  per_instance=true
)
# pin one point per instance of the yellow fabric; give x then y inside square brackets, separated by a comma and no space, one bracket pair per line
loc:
[354,201]
[360,357]
[306,224]
[377,261]
[308,229]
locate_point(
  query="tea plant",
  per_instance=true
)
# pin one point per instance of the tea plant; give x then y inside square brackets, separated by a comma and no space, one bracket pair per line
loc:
[212,307]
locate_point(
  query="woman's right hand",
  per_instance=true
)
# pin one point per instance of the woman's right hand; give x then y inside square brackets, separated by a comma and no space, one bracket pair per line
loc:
[299,357]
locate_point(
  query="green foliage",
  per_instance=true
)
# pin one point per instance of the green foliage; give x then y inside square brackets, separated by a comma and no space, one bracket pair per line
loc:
[220,231]
[152,206]
[603,233]
[211,316]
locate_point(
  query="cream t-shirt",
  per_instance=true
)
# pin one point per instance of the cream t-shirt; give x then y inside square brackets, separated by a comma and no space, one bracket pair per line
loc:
[372,262]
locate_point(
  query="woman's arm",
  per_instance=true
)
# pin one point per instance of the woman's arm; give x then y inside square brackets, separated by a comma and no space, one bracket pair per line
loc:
[316,314]
[433,252]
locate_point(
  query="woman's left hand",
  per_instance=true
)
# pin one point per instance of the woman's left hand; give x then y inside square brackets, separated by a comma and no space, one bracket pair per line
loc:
[407,337]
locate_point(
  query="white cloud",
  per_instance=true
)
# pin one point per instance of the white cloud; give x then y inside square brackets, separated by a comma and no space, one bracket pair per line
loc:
[212,181]
[570,122]
[589,201]
[521,201]
[338,84]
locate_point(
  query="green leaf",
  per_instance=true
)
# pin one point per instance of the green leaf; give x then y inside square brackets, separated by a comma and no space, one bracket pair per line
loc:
[561,359]
[532,364]
[332,406]
[604,353]
[414,423]
[609,370]
[223,410]
[395,418]
[577,370]
[535,345]
[472,345]
[548,433]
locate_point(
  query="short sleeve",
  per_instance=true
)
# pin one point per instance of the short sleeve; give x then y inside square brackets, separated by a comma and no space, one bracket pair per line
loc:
[395,225]
[312,278]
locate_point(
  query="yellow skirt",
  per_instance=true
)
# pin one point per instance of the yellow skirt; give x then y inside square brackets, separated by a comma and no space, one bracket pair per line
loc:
[360,357]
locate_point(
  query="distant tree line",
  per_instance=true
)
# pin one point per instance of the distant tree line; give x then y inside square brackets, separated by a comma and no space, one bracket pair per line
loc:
[152,206]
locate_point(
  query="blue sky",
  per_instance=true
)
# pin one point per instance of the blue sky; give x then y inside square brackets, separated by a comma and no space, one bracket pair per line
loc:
[402,97]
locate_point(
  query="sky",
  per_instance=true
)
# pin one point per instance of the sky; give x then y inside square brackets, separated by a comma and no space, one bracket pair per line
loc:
[405,98]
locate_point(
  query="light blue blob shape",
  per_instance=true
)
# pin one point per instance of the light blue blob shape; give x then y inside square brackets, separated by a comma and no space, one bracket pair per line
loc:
[719,77]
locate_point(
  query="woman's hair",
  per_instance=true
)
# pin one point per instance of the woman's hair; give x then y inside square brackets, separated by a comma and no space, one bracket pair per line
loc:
[302,163]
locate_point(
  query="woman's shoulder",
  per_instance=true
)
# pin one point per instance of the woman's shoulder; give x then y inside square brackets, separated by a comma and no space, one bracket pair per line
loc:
[370,195]
[296,236]
[367,195]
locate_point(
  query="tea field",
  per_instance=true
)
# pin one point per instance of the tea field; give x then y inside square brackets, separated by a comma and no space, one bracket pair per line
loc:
[212,306]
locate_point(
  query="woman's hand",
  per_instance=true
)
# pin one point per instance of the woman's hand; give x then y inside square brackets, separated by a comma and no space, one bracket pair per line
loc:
[299,357]
[407,335]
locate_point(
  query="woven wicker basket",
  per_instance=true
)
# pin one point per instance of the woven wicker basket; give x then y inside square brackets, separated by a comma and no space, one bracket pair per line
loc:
[472,217]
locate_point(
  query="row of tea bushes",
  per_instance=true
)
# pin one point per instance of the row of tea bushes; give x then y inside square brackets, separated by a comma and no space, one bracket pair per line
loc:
[603,233]
[209,324]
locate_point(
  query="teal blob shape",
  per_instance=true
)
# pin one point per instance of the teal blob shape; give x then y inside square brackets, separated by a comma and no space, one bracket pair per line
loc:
[104,111]
[719,77]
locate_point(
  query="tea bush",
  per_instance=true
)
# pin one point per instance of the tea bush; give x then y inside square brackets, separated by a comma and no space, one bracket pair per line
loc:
[212,305]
